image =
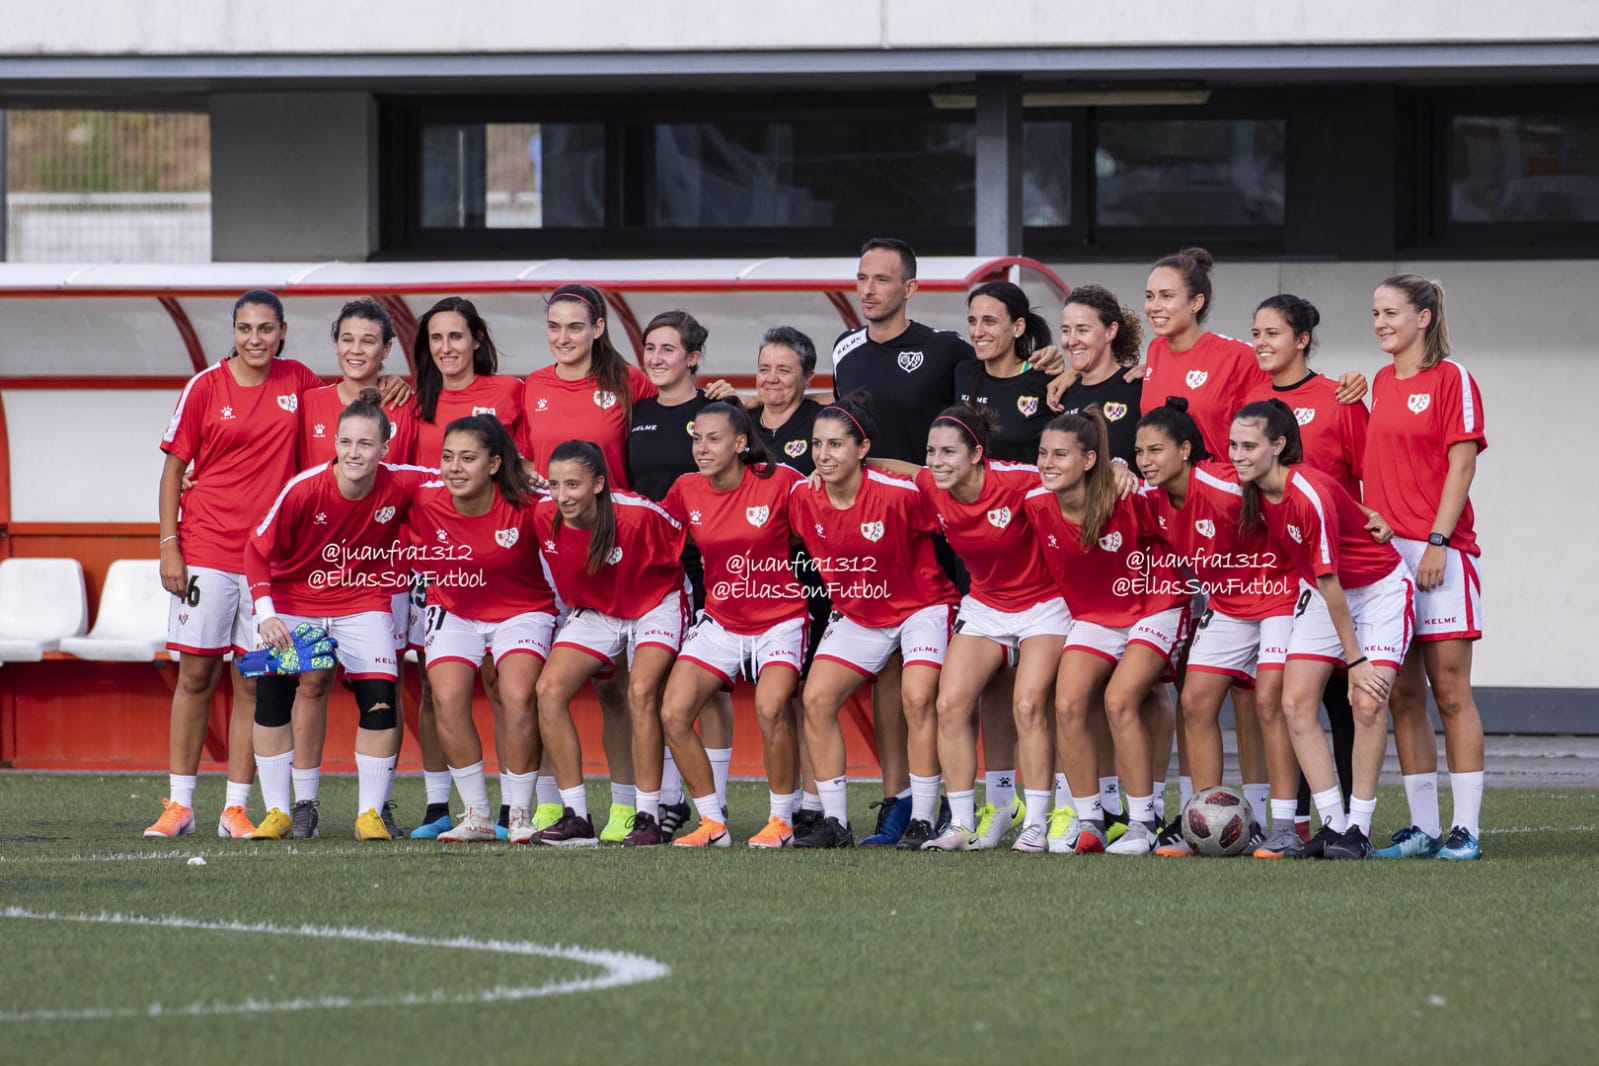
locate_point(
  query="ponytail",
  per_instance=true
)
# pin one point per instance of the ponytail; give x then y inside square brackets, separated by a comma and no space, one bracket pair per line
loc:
[602,538]
[1037,333]
[1425,295]
[1172,418]
[754,456]
[1195,265]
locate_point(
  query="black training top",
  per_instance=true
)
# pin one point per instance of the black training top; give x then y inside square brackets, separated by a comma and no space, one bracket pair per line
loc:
[1119,399]
[790,443]
[910,379]
[660,445]
[1020,403]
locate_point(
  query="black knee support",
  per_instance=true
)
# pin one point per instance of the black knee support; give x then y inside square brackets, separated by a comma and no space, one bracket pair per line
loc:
[274,700]
[375,699]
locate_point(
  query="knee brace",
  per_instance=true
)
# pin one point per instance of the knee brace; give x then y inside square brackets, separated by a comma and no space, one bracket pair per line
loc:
[274,700]
[375,698]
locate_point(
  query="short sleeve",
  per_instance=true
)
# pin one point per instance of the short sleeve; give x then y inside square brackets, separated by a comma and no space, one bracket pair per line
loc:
[1465,408]
[674,504]
[182,437]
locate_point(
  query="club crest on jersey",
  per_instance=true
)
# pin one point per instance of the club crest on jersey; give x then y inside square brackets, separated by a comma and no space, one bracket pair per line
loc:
[689,427]
[1114,412]
[1196,378]
[999,518]
[757,516]
[485,411]
[1419,402]
[604,399]
[615,556]
[1027,405]
[910,361]
[1111,541]
[506,538]
[795,448]
[382,515]
[320,431]
[872,531]
[1206,527]
[1305,415]
[1293,531]
[290,402]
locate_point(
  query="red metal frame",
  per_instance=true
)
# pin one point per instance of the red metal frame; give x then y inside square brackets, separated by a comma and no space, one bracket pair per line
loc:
[191,339]
[404,327]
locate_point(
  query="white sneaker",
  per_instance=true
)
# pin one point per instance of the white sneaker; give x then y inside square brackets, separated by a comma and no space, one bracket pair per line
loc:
[1138,840]
[995,824]
[521,828]
[1030,840]
[955,838]
[1070,835]
[475,825]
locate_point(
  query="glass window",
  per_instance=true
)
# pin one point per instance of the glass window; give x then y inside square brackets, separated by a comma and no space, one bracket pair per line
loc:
[513,175]
[1524,168]
[1047,174]
[885,176]
[1199,172]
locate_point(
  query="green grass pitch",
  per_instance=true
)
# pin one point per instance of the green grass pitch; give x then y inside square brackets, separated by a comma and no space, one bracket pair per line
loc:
[423,953]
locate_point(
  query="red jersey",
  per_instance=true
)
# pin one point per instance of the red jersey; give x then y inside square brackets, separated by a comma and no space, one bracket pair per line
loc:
[320,409]
[556,410]
[1413,423]
[241,440]
[993,537]
[499,395]
[1322,530]
[1243,576]
[317,553]
[645,565]
[486,567]
[743,536]
[1333,433]
[1216,376]
[1125,576]
[876,556]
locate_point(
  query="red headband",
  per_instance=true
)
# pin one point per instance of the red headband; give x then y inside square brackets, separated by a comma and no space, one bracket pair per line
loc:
[846,414]
[578,297]
[951,418]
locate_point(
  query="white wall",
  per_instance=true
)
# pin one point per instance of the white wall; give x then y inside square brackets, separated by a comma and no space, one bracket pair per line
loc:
[86,455]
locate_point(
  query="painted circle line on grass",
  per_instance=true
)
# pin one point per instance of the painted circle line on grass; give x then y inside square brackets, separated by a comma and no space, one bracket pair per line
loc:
[618,969]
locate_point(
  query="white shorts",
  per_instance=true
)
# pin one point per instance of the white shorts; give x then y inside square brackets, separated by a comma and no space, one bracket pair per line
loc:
[1453,610]
[923,638]
[400,612]
[417,623]
[216,615]
[731,655]
[1010,628]
[366,642]
[1384,621]
[1238,647]
[451,638]
[1165,631]
[605,637]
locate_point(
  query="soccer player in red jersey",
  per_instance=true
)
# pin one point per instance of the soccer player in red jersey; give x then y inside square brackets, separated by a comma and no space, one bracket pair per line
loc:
[754,623]
[616,560]
[488,594]
[870,536]
[1129,621]
[236,422]
[1241,639]
[324,555]
[1012,609]
[1361,620]
[1426,430]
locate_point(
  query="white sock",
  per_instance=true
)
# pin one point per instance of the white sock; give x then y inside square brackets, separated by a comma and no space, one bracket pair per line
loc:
[624,795]
[1110,793]
[1159,793]
[648,803]
[720,757]
[782,806]
[374,776]
[1421,792]
[905,793]
[180,789]
[1037,802]
[238,794]
[576,798]
[1185,791]
[473,788]
[796,798]
[519,787]
[1467,789]
[505,788]
[1089,809]
[999,788]
[671,780]
[1257,795]
[436,783]
[710,808]
[275,774]
[1282,812]
[1360,812]
[1330,805]
[1139,808]
[810,801]
[963,808]
[547,791]
[835,803]
[924,797]
[1062,789]
[307,783]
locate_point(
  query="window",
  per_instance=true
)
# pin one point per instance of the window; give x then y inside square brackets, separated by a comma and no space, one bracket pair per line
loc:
[1523,168]
[513,175]
[1047,173]
[1198,173]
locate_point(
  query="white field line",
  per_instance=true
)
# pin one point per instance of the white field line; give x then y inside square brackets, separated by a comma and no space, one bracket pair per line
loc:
[618,968]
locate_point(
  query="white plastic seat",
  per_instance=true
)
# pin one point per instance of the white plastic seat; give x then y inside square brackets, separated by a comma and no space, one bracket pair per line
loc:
[41,601]
[132,623]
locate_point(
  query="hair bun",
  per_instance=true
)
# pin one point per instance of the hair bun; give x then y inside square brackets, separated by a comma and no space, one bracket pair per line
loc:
[1200,257]
[371,396]
[1177,403]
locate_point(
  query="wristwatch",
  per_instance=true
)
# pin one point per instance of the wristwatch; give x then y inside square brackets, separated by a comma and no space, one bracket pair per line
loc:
[1438,539]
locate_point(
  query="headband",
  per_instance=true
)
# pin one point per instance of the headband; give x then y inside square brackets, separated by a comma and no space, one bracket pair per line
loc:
[846,414]
[579,298]
[951,418]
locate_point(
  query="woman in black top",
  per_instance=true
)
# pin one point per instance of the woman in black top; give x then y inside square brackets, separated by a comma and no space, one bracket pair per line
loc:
[783,372]
[1102,341]
[1005,333]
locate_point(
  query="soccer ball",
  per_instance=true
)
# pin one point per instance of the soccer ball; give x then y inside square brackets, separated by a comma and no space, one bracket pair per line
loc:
[1218,822]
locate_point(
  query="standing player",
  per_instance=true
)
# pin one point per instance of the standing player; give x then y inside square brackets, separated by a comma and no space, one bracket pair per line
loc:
[616,561]
[489,595]
[871,537]
[236,421]
[1426,431]
[1362,617]
[323,555]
